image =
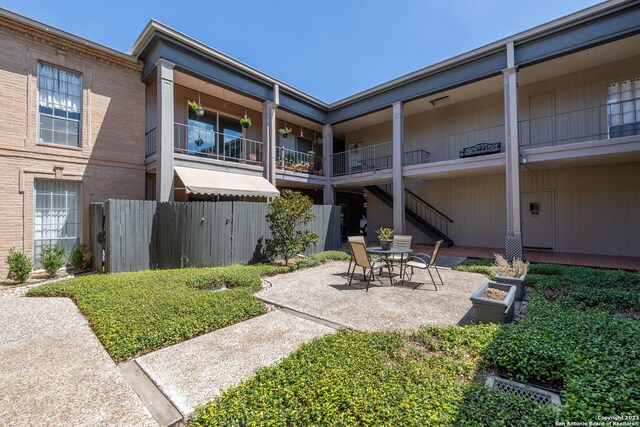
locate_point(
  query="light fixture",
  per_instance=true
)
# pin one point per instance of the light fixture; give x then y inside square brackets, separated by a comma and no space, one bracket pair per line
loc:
[301,133]
[438,101]
[524,159]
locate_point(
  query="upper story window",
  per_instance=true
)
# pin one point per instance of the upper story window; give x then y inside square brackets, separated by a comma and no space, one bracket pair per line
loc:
[59,106]
[623,108]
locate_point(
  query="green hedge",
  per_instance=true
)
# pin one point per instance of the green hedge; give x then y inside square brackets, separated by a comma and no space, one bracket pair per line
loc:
[483,266]
[134,313]
[593,356]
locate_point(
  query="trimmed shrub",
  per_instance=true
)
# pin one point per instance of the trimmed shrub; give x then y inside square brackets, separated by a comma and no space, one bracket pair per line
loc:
[52,259]
[482,266]
[80,257]
[286,213]
[20,266]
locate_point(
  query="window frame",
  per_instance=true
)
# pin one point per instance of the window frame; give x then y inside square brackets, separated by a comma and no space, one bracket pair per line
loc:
[80,120]
[617,131]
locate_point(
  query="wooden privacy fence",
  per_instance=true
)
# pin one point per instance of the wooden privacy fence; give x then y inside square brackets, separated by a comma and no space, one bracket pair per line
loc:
[140,235]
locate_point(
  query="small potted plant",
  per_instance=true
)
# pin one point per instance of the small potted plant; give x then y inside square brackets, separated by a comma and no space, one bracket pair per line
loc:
[512,273]
[245,122]
[493,303]
[385,235]
[285,131]
[196,107]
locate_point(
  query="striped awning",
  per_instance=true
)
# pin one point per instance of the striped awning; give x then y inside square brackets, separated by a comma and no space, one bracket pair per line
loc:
[201,181]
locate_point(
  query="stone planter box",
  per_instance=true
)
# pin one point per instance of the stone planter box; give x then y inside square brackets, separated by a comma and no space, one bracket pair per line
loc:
[518,282]
[487,310]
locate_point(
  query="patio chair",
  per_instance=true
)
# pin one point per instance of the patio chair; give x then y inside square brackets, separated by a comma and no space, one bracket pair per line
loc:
[354,239]
[400,241]
[425,262]
[361,259]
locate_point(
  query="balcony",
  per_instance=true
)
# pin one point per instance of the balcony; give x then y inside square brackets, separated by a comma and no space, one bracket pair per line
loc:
[416,152]
[288,160]
[602,122]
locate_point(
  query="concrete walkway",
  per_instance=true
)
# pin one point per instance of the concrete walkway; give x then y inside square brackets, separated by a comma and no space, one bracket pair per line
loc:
[56,372]
[323,292]
[194,372]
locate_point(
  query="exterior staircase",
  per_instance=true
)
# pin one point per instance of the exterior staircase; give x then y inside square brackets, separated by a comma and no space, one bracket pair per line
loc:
[418,212]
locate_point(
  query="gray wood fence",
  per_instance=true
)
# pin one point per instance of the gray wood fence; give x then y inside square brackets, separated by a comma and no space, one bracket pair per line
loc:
[141,235]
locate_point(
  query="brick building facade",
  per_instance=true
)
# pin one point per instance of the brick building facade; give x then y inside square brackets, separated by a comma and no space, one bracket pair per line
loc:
[39,149]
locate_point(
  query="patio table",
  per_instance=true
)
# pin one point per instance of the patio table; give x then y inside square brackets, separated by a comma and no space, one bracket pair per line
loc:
[393,251]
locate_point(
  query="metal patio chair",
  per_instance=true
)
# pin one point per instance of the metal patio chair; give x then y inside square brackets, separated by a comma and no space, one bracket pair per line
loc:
[354,239]
[425,262]
[361,259]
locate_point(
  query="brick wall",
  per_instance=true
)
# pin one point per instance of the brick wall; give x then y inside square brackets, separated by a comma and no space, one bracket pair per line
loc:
[110,162]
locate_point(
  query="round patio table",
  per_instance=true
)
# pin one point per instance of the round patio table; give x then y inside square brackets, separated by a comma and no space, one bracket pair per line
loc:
[393,251]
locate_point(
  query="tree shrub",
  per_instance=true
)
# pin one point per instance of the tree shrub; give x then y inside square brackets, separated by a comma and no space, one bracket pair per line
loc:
[52,259]
[287,212]
[20,266]
[80,257]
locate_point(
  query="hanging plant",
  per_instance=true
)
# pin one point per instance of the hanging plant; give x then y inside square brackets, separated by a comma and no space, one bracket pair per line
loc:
[319,141]
[196,107]
[285,131]
[245,122]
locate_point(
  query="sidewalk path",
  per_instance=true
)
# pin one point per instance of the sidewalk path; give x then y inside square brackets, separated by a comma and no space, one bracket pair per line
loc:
[194,372]
[56,372]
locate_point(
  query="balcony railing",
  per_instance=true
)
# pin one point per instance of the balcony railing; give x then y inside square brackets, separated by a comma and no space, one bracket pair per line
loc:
[587,124]
[371,158]
[150,143]
[297,161]
[195,141]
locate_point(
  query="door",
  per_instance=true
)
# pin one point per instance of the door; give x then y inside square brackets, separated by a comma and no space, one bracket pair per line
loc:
[231,137]
[537,220]
[541,123]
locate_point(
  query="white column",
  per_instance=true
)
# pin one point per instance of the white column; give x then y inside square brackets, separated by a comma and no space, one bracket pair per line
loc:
[327,154]
[398,182]
[165,121]
[513,239]
[269,140]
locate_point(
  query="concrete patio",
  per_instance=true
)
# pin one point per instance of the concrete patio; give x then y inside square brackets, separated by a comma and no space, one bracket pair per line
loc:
[323,292]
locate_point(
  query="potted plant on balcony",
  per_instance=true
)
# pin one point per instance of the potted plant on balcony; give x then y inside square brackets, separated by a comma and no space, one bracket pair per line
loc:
[319,141]
[245,122]
[385,235]
[285,131]
[493,303]
[312,164]
[512,273]
[196,107]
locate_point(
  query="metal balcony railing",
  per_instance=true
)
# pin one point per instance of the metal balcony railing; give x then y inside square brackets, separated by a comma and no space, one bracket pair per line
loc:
[150,143]
[371,158]
[298,161]
[600,122]
[195,141]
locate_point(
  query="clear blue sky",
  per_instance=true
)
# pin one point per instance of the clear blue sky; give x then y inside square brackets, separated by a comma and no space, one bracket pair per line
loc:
[328,48]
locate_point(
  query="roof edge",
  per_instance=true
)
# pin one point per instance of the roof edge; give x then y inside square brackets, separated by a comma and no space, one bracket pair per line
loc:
[155,26]
[66,35]
[482,50]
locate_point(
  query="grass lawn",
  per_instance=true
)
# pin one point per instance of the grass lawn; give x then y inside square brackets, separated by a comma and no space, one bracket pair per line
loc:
[579,335]
[134,313]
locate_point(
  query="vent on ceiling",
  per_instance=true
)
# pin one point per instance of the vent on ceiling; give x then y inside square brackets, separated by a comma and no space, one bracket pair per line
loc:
[535,394]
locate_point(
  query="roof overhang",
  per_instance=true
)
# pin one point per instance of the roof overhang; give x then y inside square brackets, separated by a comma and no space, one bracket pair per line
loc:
[202,181]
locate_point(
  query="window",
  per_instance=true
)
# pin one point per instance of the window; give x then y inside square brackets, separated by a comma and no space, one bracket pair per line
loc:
[231,137]
[59,106]
[623,108]
[56,216]
[201,138]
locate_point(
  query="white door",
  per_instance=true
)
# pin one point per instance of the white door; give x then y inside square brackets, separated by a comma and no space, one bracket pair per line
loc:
[537,220]
[541,123]
[56,216]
